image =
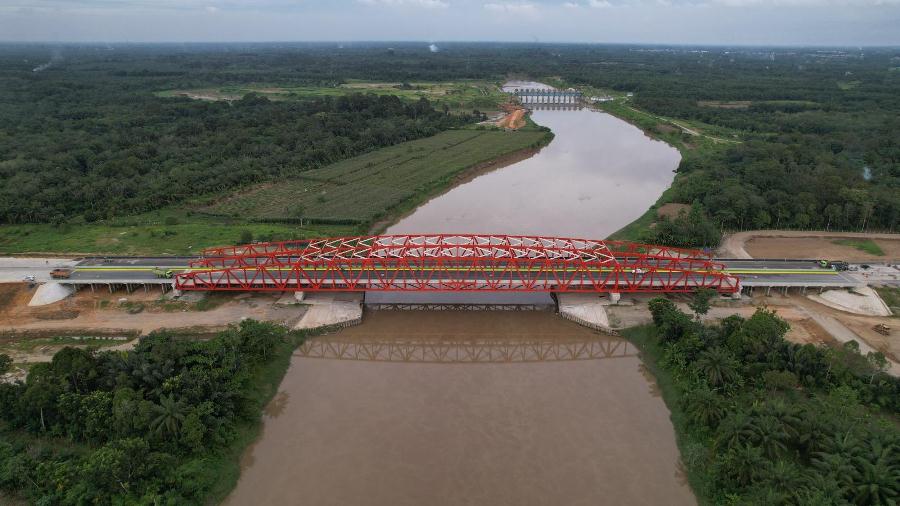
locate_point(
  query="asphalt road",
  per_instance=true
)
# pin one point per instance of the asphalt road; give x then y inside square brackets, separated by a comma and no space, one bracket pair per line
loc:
[751,272]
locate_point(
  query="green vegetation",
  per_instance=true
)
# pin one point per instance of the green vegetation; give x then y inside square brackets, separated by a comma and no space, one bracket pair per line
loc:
[891,297]
[107,164]
[761,420]
[145,234]
[366,188]
[773,138]
[688,229]
[31,344]
[458,97]
[867,245]
[165,423]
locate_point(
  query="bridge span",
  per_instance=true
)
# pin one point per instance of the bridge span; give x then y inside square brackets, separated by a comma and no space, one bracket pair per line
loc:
[459,263]
[486,263]
[530,96]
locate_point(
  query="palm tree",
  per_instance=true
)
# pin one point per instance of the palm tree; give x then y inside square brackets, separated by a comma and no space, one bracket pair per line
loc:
[169,415]
[786,414]
[770,435]
[877,474]
[819,489]
[718,366]
[735,430]
[834,468]
[705,407]
[785,476]
[745,463]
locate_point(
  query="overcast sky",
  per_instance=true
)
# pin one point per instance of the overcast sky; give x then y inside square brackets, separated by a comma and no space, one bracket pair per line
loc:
[769,22]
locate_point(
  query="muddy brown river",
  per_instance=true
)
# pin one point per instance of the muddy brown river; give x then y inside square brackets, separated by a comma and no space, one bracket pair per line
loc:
[485,408]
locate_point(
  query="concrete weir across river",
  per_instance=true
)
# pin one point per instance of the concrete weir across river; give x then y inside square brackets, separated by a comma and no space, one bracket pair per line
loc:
[493,408]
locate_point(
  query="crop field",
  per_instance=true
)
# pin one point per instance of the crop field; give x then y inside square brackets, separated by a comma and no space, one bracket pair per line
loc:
[458,96]
[363,189]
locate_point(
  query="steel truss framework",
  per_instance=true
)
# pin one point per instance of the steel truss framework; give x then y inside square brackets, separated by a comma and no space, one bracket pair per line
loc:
[452,350]
[446,262]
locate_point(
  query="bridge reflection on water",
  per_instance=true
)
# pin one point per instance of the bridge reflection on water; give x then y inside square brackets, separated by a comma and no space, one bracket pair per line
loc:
[448,348]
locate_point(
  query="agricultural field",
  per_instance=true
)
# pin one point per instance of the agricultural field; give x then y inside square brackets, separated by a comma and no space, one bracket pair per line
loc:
[364,189]
[458,96]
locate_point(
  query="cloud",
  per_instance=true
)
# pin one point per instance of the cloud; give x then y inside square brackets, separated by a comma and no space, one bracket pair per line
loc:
[802,3]
[426,4]
[212,9]
[513,9]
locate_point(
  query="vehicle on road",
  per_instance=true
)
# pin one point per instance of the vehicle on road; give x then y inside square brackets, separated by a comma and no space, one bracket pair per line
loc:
[882,329]
[838,265]
[61,273]
[163,273]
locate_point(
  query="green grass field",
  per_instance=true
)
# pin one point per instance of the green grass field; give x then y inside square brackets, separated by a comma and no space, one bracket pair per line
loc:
[146,235]
[369,187]
[457,95]
[891,297]
[866,245]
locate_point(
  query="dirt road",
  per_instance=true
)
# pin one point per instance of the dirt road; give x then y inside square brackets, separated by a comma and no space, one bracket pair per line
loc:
[805,244]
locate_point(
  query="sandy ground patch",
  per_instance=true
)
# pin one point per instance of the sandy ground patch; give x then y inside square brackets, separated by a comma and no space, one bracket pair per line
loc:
[514,119]
[672,210]
[862,300]
[139,311]
[801,244]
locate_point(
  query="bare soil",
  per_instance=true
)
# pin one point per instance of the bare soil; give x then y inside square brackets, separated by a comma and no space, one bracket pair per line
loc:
[140,311]
[801,244]
[672,210]
[514,119]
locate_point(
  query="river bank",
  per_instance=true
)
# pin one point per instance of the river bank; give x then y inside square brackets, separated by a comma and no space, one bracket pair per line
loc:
[364,421]
[525,427]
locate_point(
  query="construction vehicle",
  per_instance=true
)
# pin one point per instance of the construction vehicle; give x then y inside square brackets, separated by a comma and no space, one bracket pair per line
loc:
[882,329]
[61,273]
[163,273]
[838,265]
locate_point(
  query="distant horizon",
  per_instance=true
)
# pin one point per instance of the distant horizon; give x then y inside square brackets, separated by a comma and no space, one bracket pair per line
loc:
[425,43]
[754,23]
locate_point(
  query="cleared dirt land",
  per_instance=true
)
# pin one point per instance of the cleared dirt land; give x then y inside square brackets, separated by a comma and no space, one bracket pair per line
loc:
[122,315]
[828,245]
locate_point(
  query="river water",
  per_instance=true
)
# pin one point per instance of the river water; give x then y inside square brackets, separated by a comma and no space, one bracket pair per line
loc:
[485,408]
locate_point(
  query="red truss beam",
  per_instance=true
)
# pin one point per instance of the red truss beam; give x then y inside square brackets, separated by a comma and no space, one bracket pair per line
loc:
[455,263]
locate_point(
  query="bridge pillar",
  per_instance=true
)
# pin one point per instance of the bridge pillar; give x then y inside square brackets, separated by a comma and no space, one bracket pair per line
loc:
[737,295]
[615,297]
[299,296]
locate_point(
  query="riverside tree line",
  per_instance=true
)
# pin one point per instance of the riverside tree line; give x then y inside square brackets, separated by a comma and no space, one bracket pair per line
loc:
[161,424]
[762,420]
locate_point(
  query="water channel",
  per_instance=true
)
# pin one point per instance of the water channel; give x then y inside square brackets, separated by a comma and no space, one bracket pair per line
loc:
[493,408]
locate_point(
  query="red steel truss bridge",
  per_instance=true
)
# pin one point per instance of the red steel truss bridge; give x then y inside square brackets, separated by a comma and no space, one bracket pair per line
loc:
[447,262]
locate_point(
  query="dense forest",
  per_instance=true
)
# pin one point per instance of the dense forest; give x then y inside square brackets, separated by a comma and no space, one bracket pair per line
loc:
[86,138]
[82,147]
[158,425]
[762,420]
